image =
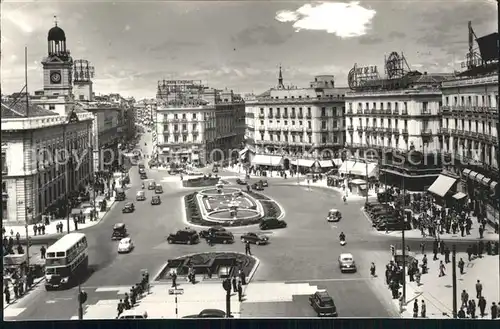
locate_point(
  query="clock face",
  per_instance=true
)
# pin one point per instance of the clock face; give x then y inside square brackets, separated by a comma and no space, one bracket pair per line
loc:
[55,77]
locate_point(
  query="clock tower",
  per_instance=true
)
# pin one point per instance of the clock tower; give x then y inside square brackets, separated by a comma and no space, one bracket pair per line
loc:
[58,65]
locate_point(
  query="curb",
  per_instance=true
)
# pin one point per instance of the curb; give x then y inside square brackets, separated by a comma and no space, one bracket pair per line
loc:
[13,301]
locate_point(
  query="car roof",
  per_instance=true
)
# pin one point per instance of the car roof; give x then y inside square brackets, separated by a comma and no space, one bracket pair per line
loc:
[323,294]
[124,240]
[346,255]
[119,225]
[213,311]
[129,204]
[333,210]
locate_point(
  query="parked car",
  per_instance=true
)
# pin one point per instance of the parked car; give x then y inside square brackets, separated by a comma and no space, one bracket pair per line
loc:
[264,183]
[186,236]
[271,223]
[347,263]
[224,237]
[323,303]
[144,176]
[155,200]
[152,185]
[370,205]
[119,231]
[158,189]
[207,313]
[255,238]
[128,208]
[120,194]
[393,226]
[385,196]
[205,233]
[126,245]
[142,171]
[140,196]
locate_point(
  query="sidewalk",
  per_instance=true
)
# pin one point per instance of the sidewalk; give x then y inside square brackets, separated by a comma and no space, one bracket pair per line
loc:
[50,230]
[437,292]
[349,197]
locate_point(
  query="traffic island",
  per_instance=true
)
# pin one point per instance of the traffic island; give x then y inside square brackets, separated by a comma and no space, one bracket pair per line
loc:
[203,181]
[215,266]
[228,207]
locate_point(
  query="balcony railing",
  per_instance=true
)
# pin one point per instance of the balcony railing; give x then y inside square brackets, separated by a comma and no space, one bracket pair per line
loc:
[308,116]
[309,130]
[300,116]
[348,112]
[350,128]
[404,112]
[426,132]
[359,129]
[405,131]
[285,116]
[292,116]
[261,116]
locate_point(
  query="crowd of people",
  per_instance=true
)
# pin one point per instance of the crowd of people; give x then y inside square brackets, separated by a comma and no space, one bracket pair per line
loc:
[136,292]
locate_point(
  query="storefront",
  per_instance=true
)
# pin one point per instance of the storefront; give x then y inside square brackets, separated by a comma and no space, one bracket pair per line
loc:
[270,161]
[482,191]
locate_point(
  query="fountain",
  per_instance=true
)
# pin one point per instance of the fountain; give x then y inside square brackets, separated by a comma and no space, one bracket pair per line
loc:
[233,206]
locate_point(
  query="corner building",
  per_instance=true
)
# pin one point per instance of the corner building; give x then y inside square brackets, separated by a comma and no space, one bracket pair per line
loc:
[305,124]
[469,137]
[197,124]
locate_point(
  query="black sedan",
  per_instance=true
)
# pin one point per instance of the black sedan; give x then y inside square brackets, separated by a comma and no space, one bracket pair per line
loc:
[254,238]
[240,181]
[144,176]
[258,186]
[155,200]
[272,223]
[211,231]
[264,183]
[128,208]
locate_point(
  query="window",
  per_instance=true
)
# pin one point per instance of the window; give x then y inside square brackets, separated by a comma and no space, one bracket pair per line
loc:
[4,163]
[261,110]
[176,138]
[52,107]
[176,116]
[184,138]
[309,125]
[184,127]
[270,112]
[293,123]
[278,111]
[194,116]
[176,127]
[425,107]
[261,122]
[285,123]
[81,97]
[309,139]
[323,124]
[309,111]
[184,116]
[323,111]
[323,139]
[194,126]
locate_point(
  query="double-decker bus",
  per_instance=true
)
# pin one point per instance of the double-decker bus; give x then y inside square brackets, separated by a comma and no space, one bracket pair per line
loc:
[66,261]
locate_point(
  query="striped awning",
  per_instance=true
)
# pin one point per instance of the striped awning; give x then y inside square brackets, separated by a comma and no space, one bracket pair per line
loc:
[303,163]
[325,163]
[493,185]
[478,178]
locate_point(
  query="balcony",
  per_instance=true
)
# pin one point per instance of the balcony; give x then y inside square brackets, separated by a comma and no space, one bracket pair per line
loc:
[300,116]
[405,132]
[348,111]
[404,112]
[285,116]
[359,129]
[395,131]
[309,130]
[308,116]
[444,130]
[261,116]
[261,128]
[5,170]
[350,128]
[292,116]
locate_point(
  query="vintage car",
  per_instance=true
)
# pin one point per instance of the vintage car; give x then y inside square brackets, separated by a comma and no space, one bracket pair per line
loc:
[158,189]
[255,238]
[206,233]
[155,200]
[323,303]
[125,245]
[241,181]
[215,169]
[271,223]
[224,237]
[144,176]
[264,183]
[334,216]
[152,185]
[120,194]
[258,186]
[140,196]
[347,263]
[119,232]
[186,236]
[128,208]
[207,314]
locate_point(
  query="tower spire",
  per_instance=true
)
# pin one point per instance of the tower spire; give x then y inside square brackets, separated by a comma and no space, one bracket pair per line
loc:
[55,20]
[280,80]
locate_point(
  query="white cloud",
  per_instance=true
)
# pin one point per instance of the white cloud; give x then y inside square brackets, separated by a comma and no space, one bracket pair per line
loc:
[127,28]
[345,20]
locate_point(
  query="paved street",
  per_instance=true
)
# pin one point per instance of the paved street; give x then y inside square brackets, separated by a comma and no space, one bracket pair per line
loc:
[305,252]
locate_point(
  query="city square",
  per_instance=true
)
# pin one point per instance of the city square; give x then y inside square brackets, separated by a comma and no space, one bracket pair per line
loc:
[361,192]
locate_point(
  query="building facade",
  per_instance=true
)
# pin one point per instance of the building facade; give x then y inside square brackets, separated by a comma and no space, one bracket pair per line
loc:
[196,124]
[302,123]
[469,138]
[34,168]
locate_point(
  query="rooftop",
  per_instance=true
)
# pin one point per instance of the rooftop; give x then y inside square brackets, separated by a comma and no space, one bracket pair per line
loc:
[20,110]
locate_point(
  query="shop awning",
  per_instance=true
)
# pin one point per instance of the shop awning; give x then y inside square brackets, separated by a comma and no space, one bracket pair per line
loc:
[325,163]
[243,152]
[459,196]
[303,163]
[346,167]
[358,181]
[442,185]
[486,181]
[472,174]
[165,149]
[493,185]
[267,160]
[479,178]
[466,172]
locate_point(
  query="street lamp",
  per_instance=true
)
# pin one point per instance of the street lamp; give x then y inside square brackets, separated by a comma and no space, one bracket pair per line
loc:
[29,210]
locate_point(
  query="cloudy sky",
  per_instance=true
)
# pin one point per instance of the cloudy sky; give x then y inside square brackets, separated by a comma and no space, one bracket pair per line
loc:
[236,44]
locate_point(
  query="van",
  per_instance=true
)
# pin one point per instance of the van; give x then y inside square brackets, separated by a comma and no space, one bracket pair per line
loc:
[133,314]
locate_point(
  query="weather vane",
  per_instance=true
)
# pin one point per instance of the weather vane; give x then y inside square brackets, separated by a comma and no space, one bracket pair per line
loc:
[55,20]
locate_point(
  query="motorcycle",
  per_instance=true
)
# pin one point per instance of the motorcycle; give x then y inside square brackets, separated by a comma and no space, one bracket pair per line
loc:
[342,239]
[143,186]
[342,243]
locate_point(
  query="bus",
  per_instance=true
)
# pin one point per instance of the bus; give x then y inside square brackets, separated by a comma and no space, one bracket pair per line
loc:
[66,261]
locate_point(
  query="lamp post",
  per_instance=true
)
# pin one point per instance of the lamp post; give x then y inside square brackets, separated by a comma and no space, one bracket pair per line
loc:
[29,210]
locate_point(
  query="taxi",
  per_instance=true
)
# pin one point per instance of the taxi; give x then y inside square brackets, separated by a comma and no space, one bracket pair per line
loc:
[334,216]
[140,196]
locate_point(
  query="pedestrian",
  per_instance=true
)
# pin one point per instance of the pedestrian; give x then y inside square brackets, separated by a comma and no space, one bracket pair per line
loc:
[18,237]
[173,275]
[16,290]
[422,248]
[469,252]
[482,306]
[240,291]
[6,293]
[447,255]
[472,303]
[372,270]
[42,252]
[424,264]
[415,308]
[461,314]
[461,265]
[465,298]
[418,276]
[126,302]
[423,309]
[479,289]
[120,308]
[234,282]
[247,249]
[435,252]
[442,268]
[494,311]
[481,232]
